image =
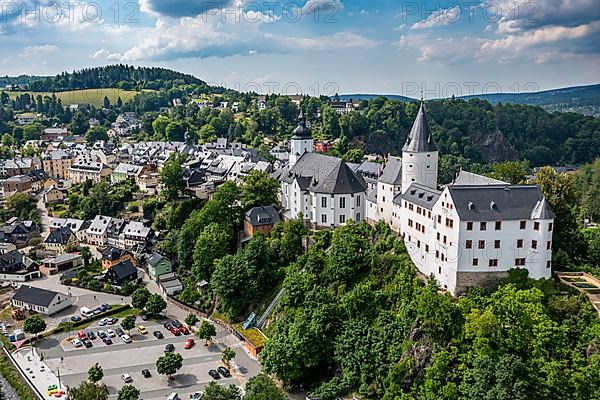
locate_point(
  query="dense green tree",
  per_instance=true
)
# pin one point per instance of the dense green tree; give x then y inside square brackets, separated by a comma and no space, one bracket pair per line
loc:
[227,355]
[95,134]
[214,391]
[259,189]
[171,179]
[139,298]
[261,387]
[34,325]
[128,323]
[514,172]
[128,392]
[191,319]
[212,244]
[79,124]
[206,331]
[88,391]
[155,304]
[169,364]
[95,373]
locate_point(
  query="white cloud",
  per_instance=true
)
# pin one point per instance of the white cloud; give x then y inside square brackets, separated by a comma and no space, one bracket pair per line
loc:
[443,16]
[322,6]
[37,50]
[102,53]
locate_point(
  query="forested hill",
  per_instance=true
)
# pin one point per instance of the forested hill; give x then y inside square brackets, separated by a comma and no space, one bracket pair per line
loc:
[124,77]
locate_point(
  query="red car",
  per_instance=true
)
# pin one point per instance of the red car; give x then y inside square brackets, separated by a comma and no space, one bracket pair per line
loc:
[175,331]
[184,330]
[189,344]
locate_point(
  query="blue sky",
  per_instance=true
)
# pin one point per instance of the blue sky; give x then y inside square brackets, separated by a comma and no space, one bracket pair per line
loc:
[316,46]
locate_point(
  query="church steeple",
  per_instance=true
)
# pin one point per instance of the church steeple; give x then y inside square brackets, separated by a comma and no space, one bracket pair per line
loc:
[302,141]
[420,138]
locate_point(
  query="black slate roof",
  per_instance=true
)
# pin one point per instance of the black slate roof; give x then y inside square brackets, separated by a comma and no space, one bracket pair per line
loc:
[123,270]
[34,295]
[112,253]
[60,236]
[265,215]
[302,131]
[420,195]
[420,138]
[497,202]
[392,173]
[319,173]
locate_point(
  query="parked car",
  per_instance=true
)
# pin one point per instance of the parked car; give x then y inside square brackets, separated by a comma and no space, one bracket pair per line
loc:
[196,396]
[119,331]
[176,324]
[101,334]
[214,374]
[189,344]
[77,343]
[110,333]
[142,330]
[146,373]
[175,331]
[126,378]
[224,371]
[81,335]
[184,330]
[91,335]
[145,317]
[87,343]
[173,396]
[107,340]
[75,318]
[126,338]
[97,311]
[158,334]
[169,348]
[112,321]
[168,325]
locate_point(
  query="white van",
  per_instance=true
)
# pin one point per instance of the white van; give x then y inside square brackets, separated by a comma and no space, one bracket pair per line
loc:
[173,396]
[86,312]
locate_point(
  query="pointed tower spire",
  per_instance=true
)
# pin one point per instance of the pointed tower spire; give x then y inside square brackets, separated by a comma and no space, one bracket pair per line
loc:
[302,131]
[420,139]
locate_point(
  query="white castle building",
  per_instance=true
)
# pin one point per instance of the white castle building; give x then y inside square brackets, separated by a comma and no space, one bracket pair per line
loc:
[468,233]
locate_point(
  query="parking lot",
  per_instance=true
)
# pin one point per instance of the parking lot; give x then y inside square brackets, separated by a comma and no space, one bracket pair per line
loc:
[72,363]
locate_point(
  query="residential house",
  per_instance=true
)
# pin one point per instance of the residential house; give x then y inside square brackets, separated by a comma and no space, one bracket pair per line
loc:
[16,184]
[261,220]
[84,169]
[170,284]
[56,163]
[121,273]
[59,240]
[53,195]
[42,301]
[158,265]
[16,267]
[112,256]
[97,234]
[135,234]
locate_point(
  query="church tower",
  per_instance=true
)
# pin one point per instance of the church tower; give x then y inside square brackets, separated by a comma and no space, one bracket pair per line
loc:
[420,154]
[302,141]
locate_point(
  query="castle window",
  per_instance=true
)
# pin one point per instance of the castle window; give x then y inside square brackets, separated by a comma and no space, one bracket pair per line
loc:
[548,264]
[534,244]
[519,262]
[469,226]
[437,254]
[523,225]
[550,226]
[536,226]
[358,201]
[426,248]
[439,219]
[493,262]
[548,245]
[481,244]
[469,244]
[482,226]
[475,262]
[439,270]
[342,218]
[498,225]
[496,244]
[438,236]
[324,202]
[343,202]
[519,243]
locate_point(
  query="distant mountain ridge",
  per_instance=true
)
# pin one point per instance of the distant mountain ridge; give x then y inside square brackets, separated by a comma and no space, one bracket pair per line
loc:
[583,99]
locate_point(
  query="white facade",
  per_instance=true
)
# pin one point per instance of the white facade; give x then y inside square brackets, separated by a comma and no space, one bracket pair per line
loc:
[299,147]
[420,168]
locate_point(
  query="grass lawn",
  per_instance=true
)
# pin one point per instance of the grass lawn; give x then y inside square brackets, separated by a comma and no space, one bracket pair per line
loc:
[94,97]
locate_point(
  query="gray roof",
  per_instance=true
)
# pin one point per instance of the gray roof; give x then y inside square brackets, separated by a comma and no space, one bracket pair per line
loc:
[34,295]
[542,210]
[392,173]
[266,215]
[498,202]
[466,178]
[420,138]
[319,173]
[420,195]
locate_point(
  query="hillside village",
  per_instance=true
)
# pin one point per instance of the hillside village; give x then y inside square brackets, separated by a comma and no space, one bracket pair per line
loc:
[189,212]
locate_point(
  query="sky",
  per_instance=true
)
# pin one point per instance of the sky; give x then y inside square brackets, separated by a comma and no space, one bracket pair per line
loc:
[316,47]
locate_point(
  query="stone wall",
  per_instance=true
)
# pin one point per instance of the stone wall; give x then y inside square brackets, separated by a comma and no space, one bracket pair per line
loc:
[466,280]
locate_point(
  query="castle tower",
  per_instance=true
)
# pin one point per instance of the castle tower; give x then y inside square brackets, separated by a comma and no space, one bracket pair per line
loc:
[420,154]
[302,141]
